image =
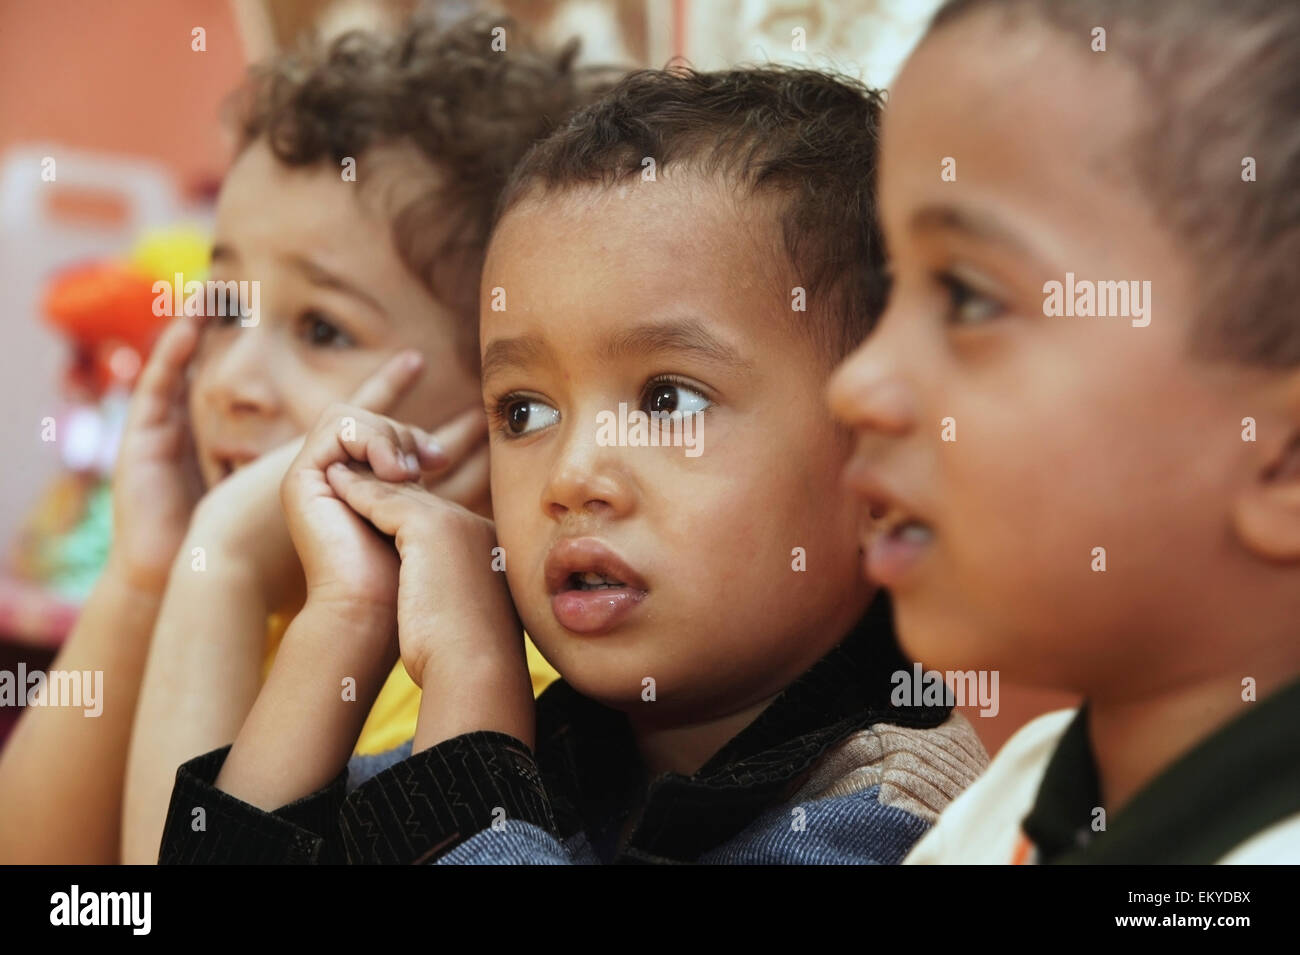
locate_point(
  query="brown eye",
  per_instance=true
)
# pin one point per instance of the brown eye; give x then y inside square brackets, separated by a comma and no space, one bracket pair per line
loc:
[668,397]
[320,332]
[663,398]
[518,417]
[526,415]
[966,305]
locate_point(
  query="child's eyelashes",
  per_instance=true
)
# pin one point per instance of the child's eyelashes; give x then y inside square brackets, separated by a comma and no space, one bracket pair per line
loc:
[314,327]
[667,394]
[517,414]
[320,331]
[966,304]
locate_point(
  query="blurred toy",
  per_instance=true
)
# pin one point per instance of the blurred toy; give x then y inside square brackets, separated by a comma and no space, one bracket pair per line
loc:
[105,311]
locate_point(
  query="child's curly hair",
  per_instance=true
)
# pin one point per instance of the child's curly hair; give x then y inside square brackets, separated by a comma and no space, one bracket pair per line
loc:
[470,107]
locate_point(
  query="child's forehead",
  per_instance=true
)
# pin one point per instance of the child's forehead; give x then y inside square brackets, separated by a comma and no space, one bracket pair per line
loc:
[1019,79]
[370,189]
[987,114]
[685,227]
[680,194]
[578,269]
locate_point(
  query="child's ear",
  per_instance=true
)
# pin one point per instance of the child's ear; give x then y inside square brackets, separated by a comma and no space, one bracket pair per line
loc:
[1267,512]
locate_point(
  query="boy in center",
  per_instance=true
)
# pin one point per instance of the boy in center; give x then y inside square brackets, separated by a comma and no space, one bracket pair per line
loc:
[696,244]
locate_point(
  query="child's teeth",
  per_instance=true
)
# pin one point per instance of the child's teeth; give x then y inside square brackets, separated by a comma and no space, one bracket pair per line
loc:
[591,580]
[916,533]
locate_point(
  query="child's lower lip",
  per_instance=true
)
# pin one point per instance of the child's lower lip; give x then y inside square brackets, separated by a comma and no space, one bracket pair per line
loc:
[595,611]
[889,558]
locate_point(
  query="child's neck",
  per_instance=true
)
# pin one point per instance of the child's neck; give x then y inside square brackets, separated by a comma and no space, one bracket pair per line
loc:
[685,747]
[1134,741]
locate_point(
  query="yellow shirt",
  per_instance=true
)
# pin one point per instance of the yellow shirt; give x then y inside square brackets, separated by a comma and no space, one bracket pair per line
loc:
[392,719]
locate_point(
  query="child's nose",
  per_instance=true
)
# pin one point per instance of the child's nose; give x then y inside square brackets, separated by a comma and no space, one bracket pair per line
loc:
[867,393]
[588,479]
[240,380]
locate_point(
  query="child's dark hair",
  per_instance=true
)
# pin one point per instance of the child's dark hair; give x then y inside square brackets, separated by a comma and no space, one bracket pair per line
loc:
[469,107]
[1224,85]
[807,136]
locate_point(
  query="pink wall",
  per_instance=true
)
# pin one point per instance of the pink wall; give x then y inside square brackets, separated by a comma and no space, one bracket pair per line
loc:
[119,76]
[111,77]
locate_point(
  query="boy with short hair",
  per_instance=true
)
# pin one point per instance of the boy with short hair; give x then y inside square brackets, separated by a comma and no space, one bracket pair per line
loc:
[1120,514]
[699,248]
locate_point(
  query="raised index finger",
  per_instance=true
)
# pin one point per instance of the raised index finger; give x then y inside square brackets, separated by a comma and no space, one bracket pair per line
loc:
[382,390]
[162,380]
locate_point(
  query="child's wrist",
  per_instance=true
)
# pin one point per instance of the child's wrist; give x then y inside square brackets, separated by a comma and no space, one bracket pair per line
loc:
[483,664]
[217,523]
[349,612]
[482,691]
[144,583]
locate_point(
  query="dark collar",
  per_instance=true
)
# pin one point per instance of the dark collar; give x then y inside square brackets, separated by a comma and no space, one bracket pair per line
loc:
[1235,783]
[593,772]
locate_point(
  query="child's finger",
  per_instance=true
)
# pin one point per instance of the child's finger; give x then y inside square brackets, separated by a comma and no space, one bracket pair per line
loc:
[444,449]
[162,380]
[345,431]
[469,485]
[383,504]
[382,390]
[391,453]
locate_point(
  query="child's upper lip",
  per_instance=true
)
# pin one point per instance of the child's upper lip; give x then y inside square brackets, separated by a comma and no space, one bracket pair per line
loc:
[879,497]
[580,555]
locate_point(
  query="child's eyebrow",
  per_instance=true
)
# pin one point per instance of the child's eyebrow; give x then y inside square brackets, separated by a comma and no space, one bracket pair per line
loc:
[681,335]
[522,351]
[972,225]
[318,275]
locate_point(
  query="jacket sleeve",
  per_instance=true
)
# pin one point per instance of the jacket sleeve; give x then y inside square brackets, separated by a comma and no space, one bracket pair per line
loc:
[477,797]
[206,826]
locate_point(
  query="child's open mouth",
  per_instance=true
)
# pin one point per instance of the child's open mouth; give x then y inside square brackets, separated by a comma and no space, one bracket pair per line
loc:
[590,581]
[592,589]
[897,543]
[897,540]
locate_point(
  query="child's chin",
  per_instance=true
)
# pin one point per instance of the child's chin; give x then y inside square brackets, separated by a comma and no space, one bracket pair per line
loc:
[623,684]
[935,639]
[621,692]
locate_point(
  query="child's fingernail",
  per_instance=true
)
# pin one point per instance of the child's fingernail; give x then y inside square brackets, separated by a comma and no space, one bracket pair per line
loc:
[412,360]
[434,449]
[412,464]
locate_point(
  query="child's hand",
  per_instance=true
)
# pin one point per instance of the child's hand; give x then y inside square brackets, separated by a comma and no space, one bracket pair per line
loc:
[451,605]
[460,638]
[241,518]
[342,557]
[156,482]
